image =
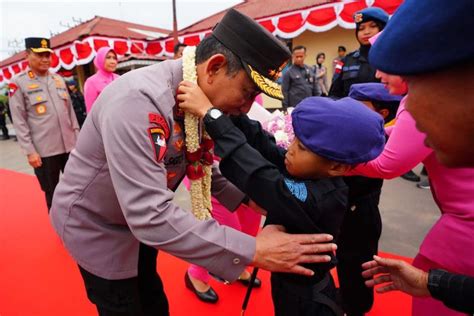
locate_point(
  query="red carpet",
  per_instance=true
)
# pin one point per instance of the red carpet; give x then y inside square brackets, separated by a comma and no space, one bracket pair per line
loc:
[38,278]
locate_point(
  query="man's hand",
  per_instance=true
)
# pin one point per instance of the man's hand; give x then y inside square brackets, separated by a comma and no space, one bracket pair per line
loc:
[280,252]
[34,160]
[254,206]
[396,275]
[192,99]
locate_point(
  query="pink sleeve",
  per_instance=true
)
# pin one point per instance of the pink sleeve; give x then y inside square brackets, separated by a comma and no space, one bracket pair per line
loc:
[404,150]
[90,94]
[388,130]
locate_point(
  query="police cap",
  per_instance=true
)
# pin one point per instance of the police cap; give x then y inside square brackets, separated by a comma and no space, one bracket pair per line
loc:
[262,55]
[38,44]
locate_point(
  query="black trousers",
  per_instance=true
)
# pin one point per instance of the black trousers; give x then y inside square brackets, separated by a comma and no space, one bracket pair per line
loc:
[290,299]
[142,295]
[48,174]
[358,243]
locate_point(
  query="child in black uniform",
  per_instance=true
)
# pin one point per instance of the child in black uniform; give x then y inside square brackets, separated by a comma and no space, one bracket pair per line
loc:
[300,188]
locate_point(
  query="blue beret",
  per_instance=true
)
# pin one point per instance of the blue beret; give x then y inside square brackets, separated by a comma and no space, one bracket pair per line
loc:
[424,36]
[343,130]
[372,91]
[371,14]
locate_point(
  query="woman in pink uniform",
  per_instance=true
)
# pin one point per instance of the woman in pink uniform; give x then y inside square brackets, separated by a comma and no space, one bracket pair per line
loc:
[449,244]
[105,63]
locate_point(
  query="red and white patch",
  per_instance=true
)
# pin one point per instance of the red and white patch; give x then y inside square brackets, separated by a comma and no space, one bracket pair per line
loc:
[338,68]
[12,89]
[158,142]
[159,120]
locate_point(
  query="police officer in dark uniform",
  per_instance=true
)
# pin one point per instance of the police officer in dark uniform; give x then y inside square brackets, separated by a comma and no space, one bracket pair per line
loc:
[298,82]
[362,225]
[356,67]
[78,102]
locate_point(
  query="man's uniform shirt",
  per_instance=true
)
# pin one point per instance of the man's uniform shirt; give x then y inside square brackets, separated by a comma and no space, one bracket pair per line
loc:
[117,188]
[43,117]
[297,84]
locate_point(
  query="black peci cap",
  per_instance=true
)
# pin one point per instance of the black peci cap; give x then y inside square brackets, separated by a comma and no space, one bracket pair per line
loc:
[261,53]
[38,44]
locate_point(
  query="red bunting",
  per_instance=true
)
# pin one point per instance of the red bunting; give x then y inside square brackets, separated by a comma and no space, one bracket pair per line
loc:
[154,48]
[83,50]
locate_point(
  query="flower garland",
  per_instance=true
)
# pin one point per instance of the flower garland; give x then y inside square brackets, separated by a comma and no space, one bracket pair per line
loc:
[198,156]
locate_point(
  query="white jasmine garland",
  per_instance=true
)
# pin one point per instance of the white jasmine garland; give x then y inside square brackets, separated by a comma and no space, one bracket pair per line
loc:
[201,188]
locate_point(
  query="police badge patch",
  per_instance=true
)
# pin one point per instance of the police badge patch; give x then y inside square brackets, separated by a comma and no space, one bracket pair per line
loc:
[297,189]
[158,142]
[12,89]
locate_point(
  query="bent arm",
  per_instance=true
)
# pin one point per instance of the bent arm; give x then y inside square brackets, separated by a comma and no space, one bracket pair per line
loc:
[139,181]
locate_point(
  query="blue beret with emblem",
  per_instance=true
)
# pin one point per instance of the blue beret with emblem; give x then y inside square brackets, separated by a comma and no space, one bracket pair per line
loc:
[425,36]
[343,130]
[372,91]
[371,14]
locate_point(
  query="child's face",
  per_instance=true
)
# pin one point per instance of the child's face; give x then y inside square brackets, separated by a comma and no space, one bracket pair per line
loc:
[302,163]
[395,84]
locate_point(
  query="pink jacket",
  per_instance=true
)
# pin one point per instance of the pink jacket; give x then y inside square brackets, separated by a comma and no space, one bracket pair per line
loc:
[96,83]
[450,242]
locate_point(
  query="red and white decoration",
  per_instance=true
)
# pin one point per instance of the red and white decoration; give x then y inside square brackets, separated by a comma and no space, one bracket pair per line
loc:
[320,18]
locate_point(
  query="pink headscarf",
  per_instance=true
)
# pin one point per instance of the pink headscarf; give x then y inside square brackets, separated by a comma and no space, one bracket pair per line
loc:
[96,83]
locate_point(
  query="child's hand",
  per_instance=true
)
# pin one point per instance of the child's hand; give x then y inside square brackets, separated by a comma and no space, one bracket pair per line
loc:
[192,99]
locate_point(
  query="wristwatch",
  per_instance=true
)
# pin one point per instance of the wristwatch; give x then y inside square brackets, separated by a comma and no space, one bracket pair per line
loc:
[213,114]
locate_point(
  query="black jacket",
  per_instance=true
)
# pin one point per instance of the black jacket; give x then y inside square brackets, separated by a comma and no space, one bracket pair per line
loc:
[454,290]
[356,69]
[255,164]
[79,106]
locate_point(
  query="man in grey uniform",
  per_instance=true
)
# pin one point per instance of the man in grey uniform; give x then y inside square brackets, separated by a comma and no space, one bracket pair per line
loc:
[298,82]
[43,117]
[113,207]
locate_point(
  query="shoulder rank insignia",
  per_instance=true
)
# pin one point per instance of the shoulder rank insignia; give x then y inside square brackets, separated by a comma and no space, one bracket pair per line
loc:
[297,189]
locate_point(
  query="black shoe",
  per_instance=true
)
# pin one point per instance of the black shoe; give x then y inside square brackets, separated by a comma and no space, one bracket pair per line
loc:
[246,282]
[411,176]
[424,184]
[210,296]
